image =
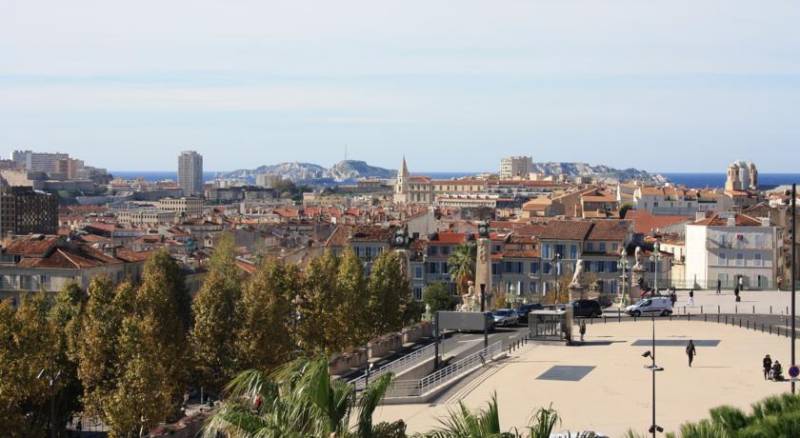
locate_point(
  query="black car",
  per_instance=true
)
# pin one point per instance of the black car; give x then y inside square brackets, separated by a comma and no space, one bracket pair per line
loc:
[586,308]
[525,309]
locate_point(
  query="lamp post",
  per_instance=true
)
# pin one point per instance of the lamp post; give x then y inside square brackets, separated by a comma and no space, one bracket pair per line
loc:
[557,275]
[794,272]
[654,428]
[51,381]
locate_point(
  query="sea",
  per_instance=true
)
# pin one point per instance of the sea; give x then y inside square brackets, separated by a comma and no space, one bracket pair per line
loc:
[698,180]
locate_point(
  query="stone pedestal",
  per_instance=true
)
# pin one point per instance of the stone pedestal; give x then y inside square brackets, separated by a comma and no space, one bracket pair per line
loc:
[483,269]
[577,292]
[635,292]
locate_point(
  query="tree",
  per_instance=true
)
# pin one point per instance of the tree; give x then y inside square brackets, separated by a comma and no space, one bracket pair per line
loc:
[461,264]
[438,297]
[162,298]
[263,338]
[317,327]
[97,349]
[12,415]
[298,400]
[350,312]
[389,294]
[65,318]
[215,317]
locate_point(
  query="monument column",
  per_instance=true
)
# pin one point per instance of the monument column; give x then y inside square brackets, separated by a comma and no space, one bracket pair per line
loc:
[483,262]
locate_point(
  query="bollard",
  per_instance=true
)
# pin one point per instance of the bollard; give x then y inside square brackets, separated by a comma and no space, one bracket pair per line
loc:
[770,310]
[701,309]
[717,309]
[770,329]
[717,317]
[605,319]
[740,322]
[754,309]
[736,309]
[705,317]
[688,316]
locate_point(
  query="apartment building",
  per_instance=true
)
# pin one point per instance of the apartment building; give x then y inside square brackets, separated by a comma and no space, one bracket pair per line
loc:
[24,210]
[516,167]
[190,173]
[182,208]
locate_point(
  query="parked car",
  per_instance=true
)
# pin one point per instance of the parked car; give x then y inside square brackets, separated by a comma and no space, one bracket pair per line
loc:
[505,317]
[525,309]
[651,306]
[586,308]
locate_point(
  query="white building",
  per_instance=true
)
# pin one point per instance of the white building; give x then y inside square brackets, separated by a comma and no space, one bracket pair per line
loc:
[726,246]
[182,208]
[190,173]
[516,167]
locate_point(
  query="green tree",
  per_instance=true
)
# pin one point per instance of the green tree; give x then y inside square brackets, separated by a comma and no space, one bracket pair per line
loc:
[65,318]
[264,336]
[97,348]
[350,312]
[389,293]
[215,317]
[12,382]
[298,400]
[162,298]
[317,327]
[461,264]
[438,297]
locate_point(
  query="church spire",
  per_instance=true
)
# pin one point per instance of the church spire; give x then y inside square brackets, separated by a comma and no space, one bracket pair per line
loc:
[404,167]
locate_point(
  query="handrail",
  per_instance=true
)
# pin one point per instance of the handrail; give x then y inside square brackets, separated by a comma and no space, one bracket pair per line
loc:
[398,366]
[417,388]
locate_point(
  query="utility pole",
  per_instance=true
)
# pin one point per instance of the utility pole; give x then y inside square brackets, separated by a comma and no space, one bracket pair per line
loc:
[794,272]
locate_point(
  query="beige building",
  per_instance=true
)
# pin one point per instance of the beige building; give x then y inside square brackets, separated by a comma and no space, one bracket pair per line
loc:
[182,207]
[190,173]
[516,167]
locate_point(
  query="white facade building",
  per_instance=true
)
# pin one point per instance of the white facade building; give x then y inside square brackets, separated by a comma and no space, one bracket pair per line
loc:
[727,246]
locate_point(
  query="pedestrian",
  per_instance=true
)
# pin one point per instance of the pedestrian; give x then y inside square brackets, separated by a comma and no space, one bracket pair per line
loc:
[741,283]
[719,286]
[690,351]
[777,371]
[583,329]
[674,298]
[736,294]
[767,363]
[691,297]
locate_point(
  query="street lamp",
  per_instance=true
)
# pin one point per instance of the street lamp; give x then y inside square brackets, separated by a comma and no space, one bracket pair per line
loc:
[557,275]
[654,428]
[655,258]
[51,381]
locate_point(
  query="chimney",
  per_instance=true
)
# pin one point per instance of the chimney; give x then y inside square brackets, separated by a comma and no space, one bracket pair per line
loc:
[764,221]
[731,221]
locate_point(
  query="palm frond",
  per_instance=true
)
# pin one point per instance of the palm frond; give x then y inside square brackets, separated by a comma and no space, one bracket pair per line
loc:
[369,401]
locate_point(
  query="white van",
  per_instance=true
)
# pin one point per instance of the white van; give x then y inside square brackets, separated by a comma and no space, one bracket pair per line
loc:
[651,306]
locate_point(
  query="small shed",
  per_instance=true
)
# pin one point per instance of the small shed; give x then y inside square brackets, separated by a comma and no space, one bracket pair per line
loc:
[550,325]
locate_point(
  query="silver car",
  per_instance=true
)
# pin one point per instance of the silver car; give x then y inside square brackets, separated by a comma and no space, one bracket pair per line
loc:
[505,317]
[661,306]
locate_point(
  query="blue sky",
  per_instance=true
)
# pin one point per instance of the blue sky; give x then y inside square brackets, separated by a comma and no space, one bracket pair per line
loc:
[454,85]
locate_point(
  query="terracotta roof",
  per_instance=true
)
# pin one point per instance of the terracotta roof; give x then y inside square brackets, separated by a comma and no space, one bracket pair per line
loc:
[32,245]
[565,230]
[70,257]
[741,220]
[609,230]
[449,238]
[645,222]
[372,233]
[131,256]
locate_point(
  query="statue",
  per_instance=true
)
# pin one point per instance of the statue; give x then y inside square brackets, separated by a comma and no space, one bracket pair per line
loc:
[576,277]
[469,299]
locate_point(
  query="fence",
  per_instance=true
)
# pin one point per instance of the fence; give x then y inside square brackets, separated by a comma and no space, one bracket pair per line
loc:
[398,366]
[743,320]
[417,388]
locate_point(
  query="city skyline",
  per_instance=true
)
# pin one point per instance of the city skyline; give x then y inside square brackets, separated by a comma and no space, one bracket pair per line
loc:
[603,83]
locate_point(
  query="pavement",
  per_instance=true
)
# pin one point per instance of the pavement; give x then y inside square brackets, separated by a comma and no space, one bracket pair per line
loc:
[616,393]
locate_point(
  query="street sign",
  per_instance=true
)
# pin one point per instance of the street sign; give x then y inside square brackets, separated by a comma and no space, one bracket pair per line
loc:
[794,371]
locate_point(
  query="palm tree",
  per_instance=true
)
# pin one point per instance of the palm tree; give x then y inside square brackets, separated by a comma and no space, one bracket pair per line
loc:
[485,423]
[298,400]
[461,265]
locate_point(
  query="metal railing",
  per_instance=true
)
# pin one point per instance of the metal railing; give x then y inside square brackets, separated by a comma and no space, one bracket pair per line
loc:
[398,366]
[417,388]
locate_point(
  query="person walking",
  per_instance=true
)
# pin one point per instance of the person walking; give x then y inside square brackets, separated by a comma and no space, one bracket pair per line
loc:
[741,283]
[674,298]
[691,297]
[583,329]
[767,363]
[691,352]
[719,286]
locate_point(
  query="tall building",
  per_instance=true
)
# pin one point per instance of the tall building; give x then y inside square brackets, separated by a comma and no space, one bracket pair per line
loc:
[38,161]
[24,210]
[515,167]
[742,176]
[190,173]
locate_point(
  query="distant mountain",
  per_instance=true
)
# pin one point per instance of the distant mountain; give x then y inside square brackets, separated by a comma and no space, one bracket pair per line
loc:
[347,170]
[600,172]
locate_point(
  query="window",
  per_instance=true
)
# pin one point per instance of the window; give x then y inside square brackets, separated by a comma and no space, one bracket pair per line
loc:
[433,268]
[739,259]
[573,251]
[534,287]
[652,267]
[602,247]
[498,248]
[444,268]
[601,266]
[445,250]
[546,266]
[433,250]
[418,272]
[614,247]
[369,252]
[723,260]
[587,266]
[546,250]
[758,260]
[589,247]
[560,250]
[418,293]
[534,267]
[612,266]
[496,269]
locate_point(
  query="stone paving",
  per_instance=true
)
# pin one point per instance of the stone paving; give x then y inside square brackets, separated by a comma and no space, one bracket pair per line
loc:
[616,394]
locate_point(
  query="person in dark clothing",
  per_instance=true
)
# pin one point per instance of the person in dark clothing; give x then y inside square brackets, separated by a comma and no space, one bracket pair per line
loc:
[777,371]
[674,298]
[690,351]
[691,297]
[719,286]
[767,362]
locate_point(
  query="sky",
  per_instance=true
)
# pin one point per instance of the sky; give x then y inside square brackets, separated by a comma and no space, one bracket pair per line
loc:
[665,86]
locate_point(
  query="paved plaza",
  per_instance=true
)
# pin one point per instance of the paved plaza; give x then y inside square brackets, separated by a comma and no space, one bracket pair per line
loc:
[604,386]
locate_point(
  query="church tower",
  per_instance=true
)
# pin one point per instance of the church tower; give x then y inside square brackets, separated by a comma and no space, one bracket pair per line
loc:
[401,185]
